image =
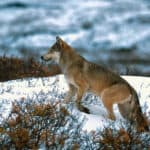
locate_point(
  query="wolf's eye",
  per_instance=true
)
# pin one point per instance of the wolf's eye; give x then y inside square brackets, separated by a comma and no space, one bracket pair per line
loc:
[51,49]
[57,47]
[54,48]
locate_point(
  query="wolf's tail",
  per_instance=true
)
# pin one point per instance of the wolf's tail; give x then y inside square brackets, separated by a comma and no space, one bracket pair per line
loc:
[139,119]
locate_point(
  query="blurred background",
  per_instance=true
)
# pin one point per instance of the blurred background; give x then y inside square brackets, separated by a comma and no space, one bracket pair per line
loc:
[114,33]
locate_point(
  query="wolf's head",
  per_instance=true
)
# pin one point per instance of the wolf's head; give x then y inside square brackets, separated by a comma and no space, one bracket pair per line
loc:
[54,51]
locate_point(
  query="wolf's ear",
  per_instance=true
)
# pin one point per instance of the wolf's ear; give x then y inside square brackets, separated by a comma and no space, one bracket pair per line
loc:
[59,41]
[58,38]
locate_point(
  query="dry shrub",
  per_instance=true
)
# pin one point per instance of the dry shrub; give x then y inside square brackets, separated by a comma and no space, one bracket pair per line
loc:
[76,146]
[123,139]
[29,125]
[15,68]
[32,124]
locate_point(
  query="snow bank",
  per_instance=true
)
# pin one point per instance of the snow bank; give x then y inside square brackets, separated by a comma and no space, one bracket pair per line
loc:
[54,88]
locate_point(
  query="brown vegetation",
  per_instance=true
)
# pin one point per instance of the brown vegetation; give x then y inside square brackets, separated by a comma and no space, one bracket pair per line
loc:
[15,68]
[30,124]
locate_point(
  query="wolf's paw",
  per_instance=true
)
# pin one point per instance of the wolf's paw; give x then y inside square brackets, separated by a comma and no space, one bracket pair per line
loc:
[84,109]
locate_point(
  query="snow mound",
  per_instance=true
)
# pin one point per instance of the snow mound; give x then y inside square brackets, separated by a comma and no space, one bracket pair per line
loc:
[55,88]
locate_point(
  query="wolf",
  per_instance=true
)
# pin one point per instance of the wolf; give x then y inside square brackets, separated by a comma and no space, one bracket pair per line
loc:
[83,76]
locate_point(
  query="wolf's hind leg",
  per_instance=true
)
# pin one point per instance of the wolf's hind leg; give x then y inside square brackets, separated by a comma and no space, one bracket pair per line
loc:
[117,93]
[125,110]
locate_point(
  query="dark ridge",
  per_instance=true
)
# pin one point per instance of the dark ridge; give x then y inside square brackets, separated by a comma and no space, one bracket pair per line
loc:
[124,49]
[130,61]
[15,4]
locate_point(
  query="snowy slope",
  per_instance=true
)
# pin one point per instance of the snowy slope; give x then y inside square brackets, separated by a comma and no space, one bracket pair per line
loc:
[54,88]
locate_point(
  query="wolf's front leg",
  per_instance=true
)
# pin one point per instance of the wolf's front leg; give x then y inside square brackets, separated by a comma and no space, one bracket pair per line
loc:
[78,101]
[71,93]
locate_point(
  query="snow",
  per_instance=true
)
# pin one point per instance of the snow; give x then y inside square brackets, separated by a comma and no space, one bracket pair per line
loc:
[55,88]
